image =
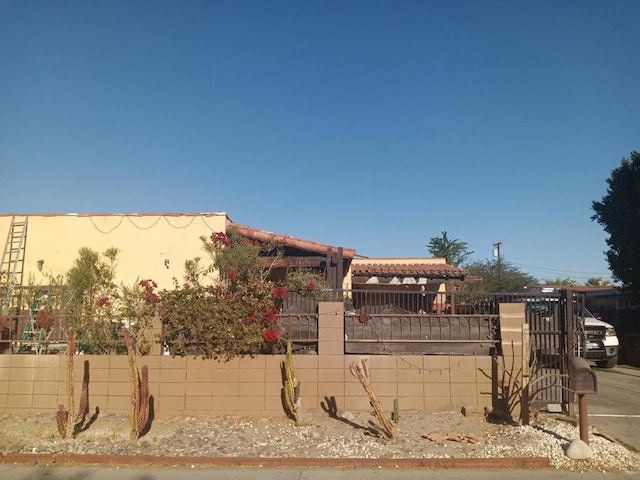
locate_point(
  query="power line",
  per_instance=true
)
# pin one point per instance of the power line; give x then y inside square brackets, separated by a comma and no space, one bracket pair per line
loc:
[560,271]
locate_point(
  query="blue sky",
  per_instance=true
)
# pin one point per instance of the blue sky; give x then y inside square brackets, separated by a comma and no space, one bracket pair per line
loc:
[373,125]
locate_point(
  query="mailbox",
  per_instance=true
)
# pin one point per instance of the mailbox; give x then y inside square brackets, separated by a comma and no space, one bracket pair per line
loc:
[581,378]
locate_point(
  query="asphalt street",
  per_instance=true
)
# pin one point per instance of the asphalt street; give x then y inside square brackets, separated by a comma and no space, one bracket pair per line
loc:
[96,473]
[615,408]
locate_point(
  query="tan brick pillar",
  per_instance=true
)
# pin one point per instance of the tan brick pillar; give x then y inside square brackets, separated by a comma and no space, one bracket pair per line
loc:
[156,330]
[331,328]
[331,362]
[509,374]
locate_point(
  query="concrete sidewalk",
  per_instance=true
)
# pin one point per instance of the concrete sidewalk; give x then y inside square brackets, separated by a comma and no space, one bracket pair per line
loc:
[11,472]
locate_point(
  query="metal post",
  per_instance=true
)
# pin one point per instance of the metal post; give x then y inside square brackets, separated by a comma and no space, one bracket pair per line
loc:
[526,355]
[584,420]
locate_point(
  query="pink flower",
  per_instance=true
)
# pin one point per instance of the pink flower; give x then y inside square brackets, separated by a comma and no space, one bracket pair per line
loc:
[311,286]
[271,336]
[280,292]
[232,275]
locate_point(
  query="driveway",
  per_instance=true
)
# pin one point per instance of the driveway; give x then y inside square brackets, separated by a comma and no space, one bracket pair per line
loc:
[616,408]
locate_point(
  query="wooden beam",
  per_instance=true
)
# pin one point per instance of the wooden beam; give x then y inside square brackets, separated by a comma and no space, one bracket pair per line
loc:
[298,262]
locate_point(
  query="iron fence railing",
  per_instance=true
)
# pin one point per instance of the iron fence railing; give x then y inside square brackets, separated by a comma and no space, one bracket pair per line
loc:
[419,322]
[424,321]
[22,334]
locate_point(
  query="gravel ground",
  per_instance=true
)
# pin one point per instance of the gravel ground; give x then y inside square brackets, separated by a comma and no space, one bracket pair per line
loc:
[450,434]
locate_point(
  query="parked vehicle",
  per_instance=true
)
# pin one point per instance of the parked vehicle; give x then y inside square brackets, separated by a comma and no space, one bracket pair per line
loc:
[601,343]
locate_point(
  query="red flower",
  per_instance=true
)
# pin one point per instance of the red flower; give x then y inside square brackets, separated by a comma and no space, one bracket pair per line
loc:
[280,292]
[269,315]
[232,275]
[250,320]
[311,286]
[271,336]
[152,297]
[220,238]
[148,284]
[102,301]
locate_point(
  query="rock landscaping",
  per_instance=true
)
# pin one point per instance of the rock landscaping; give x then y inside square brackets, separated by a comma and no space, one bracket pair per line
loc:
[347,436]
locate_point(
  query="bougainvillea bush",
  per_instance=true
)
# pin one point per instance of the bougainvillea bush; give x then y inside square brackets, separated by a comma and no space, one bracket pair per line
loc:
[225,305]
[88,300]
[227,308]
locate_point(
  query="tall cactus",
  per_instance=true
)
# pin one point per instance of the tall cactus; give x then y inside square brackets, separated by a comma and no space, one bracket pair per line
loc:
[142,416]
[387,428]
[71,350]
[64,416]
[139,391]
[290,386]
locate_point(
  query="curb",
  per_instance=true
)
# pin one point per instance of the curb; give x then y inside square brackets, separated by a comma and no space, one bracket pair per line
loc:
[271,462]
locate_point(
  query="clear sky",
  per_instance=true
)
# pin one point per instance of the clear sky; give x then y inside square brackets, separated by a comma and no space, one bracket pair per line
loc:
[372,125]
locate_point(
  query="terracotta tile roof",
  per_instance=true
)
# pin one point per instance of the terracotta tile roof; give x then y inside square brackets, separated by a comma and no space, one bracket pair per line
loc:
[262,235]
[130,214]
[413,269]
[576,288]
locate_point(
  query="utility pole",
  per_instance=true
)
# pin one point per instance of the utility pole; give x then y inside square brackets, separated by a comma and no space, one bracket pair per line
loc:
[496,253]
[496,250]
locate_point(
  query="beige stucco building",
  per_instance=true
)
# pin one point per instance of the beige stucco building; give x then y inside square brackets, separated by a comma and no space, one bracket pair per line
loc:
[156,246]
[151,245]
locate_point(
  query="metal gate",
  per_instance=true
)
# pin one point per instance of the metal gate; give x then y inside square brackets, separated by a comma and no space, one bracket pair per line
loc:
[556,322]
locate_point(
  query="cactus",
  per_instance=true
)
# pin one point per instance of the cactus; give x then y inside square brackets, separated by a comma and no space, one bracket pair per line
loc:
[71,350]
[395,416]
[61,419]
[64,416]
[139,391]
[290,386]
[143,406]
[83,407]
[387,428]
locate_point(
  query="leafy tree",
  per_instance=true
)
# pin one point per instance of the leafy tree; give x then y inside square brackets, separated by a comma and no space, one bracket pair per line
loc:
[561,282]
[89,279]
[88,299]
[619,214]
[454,251]
[597,282]
[499,276]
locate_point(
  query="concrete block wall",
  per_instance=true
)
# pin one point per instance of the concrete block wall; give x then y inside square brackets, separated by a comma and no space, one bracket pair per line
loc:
[251,386]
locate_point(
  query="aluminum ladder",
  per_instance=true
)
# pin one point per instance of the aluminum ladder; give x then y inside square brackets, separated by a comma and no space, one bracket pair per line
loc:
[12,266]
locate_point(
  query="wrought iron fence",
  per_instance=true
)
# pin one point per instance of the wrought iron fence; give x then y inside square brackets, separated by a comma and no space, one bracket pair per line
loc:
[419,322]
[299,319]
[23,334]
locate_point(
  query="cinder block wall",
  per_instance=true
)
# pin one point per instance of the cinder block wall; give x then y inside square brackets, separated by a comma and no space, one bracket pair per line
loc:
[251,386]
